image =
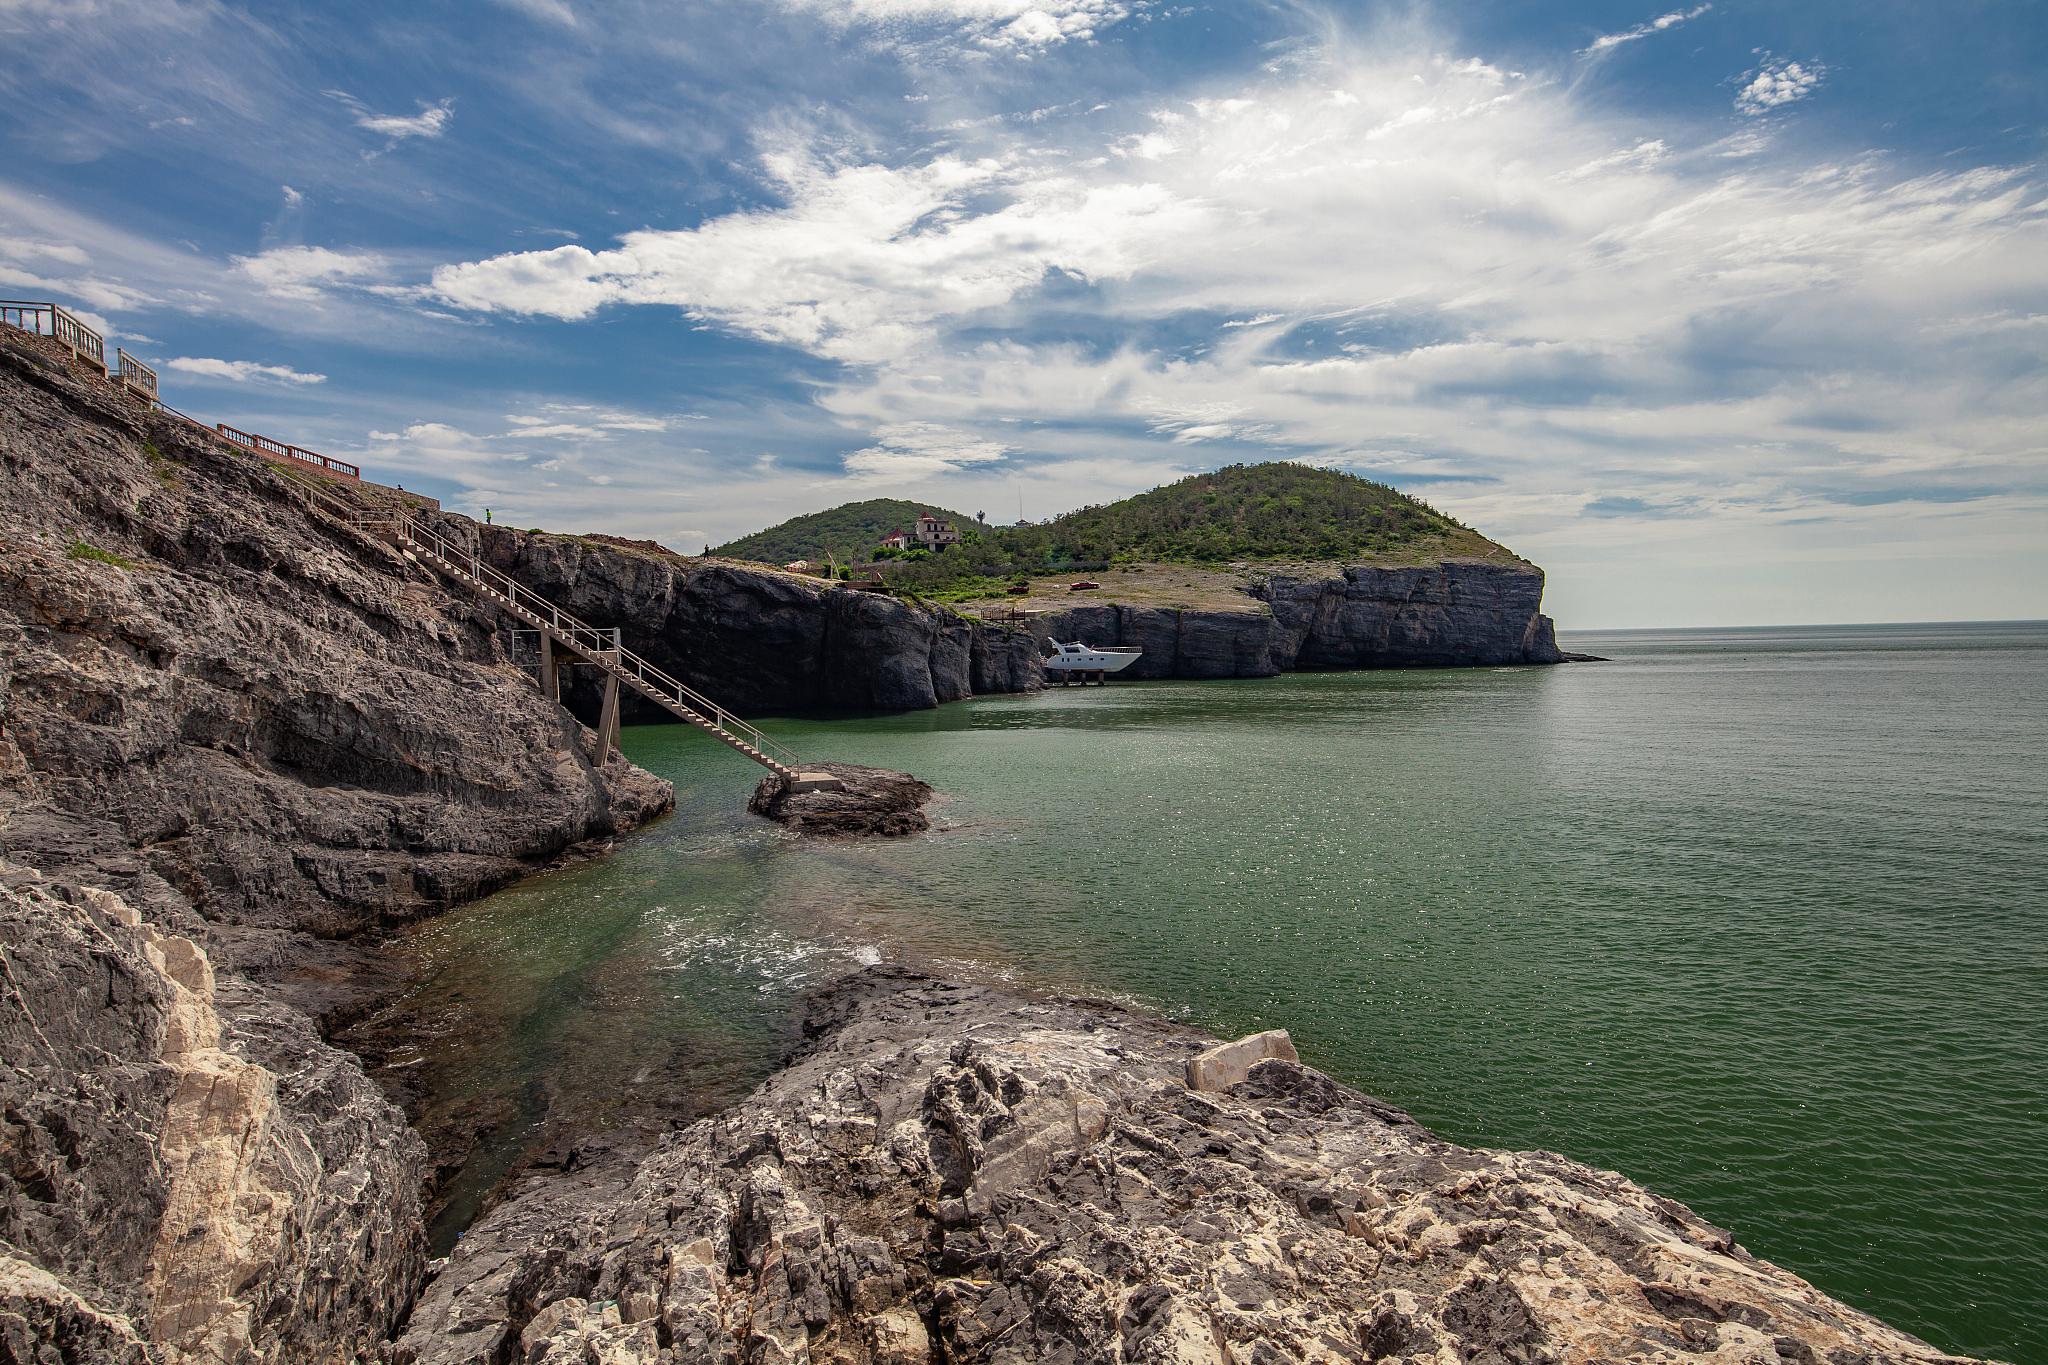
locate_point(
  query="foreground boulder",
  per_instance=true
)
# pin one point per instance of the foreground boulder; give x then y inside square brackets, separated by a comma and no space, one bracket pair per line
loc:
[869,803]
[953,1173]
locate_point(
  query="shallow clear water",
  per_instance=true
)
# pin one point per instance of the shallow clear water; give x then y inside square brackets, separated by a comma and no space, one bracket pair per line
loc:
[1757,917]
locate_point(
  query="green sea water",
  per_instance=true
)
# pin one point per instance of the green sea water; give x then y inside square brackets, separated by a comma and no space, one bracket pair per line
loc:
[1759,918]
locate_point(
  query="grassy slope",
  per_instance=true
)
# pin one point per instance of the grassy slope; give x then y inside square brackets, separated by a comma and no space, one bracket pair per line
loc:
[1251,512]
[1267,514]
[849,531]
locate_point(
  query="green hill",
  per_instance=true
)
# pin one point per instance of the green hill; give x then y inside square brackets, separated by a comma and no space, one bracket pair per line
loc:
[1242,513]
[1251,512]
[850,531]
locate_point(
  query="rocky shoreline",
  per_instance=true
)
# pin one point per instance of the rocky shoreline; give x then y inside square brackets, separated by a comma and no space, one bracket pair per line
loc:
[956,1173]
[870,803]
[1454,614]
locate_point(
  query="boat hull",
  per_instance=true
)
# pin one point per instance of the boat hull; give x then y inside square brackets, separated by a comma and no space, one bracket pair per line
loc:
[1090,663]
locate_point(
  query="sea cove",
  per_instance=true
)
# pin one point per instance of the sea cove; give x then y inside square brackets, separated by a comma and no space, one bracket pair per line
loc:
[1753,916]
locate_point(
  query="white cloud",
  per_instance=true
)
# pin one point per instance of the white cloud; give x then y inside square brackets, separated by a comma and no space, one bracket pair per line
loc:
[1645,153]
[304,272]
[529,429]
[552,11]
[1607,42]
[906,451]
[61,253]
[1778,83]
[862,261]
[997,25]
[557,420]
[1415,264]
[240,371]
[430,121]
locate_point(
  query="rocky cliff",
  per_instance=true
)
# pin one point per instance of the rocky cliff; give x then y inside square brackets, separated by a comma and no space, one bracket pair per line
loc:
[759,640]
[1359,616]
[232,737]
[952,1173]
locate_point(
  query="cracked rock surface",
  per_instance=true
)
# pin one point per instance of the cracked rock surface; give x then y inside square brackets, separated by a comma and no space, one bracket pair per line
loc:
[952,1173]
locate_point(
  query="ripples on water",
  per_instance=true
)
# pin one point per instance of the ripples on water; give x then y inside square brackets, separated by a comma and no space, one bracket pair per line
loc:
[1756,917]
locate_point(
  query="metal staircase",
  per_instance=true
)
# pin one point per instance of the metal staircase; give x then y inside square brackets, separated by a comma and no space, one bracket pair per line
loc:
[577,641]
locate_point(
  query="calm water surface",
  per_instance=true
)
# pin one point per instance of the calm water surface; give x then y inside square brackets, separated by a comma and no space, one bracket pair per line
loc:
[1757,917]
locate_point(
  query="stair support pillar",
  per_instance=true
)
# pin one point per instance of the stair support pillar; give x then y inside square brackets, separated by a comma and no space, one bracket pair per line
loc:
[608,720]
[550,669]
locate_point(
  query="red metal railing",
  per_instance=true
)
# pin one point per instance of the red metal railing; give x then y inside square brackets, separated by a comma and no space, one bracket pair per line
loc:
[278,450]
[54,322]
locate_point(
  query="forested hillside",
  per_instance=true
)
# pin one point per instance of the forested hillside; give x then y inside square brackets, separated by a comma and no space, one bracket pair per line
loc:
[850,531]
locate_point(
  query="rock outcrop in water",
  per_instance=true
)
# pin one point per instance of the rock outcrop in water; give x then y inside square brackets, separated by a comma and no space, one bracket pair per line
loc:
[1444,615]
[953,1173]
[232,736]
[870,803]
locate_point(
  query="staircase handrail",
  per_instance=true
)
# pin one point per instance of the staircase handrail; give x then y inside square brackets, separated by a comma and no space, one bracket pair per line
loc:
[599,645]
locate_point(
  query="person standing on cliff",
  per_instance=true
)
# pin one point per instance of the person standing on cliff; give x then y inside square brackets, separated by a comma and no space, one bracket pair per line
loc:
[487,516]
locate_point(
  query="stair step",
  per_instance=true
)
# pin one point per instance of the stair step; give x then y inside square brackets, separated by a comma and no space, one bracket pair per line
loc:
[620,664]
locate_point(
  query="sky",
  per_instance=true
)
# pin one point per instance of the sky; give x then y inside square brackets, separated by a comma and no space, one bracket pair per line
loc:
[1728,313]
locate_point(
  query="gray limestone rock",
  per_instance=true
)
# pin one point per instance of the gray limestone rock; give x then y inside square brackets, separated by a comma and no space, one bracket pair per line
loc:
[758,640]
[870,803]
[1443,615]
[953,1172]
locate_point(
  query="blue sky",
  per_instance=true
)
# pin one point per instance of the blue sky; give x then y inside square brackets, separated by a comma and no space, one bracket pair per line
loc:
[1724,313]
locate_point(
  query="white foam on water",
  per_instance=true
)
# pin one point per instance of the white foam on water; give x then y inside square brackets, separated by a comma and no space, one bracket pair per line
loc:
[772,959]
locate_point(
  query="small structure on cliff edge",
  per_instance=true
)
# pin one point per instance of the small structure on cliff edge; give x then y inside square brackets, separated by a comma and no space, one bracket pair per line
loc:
[934,534]
[926,533]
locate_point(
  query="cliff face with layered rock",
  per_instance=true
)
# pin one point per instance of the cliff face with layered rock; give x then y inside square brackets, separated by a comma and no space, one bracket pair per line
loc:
[1444,615]
[954,1173]
[758,640]
[233,736]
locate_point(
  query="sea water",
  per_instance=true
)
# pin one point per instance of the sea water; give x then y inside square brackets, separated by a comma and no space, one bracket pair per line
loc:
[1757,917]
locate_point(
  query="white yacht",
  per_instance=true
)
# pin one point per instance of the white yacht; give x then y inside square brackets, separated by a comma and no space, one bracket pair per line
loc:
[1079,658]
